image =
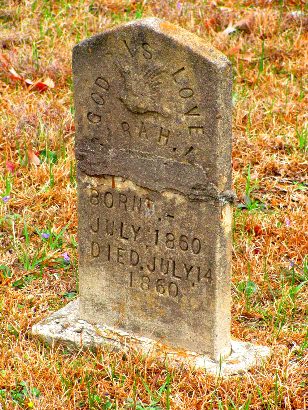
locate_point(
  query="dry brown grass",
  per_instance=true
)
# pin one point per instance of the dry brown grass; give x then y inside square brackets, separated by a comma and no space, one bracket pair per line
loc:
[270,270]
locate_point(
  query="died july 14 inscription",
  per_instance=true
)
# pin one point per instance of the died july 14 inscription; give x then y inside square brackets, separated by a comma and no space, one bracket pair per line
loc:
[148,256]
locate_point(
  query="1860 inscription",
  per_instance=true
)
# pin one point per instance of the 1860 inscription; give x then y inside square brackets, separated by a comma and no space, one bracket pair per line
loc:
[153,145]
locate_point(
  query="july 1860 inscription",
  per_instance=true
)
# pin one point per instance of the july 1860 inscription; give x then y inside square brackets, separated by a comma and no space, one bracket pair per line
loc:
[153,145]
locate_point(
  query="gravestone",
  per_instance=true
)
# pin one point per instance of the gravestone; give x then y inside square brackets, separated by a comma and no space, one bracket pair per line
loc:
[153,149]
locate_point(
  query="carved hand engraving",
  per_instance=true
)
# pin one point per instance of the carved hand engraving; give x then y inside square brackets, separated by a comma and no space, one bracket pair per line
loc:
[143,89]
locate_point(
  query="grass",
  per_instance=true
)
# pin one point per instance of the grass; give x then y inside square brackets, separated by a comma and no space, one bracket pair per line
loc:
[38,257]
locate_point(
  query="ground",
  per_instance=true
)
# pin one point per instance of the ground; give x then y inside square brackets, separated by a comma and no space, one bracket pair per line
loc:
[267,43]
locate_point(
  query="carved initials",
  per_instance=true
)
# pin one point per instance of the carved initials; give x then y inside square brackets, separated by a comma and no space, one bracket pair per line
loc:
[147,52]
[193,111]
[175,74]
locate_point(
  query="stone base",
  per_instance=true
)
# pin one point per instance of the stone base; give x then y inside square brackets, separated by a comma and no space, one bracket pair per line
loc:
[64,326]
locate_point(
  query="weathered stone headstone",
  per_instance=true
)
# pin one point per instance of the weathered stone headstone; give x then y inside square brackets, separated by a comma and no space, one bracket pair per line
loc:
[153,148]
[153,145]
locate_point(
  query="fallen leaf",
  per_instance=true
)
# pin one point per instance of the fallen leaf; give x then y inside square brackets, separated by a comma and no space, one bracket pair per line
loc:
[210,23]
[229,30]
[246,24]
[258,230]
[251,315]
[43,85]
[234,51]
[4,61]
[33,158]
[38,85]
[49,82]
[10,166]
[14,75]
[235,164]
[28,81]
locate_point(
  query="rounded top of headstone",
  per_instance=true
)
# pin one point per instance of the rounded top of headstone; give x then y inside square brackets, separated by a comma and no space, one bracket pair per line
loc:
[180,37]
